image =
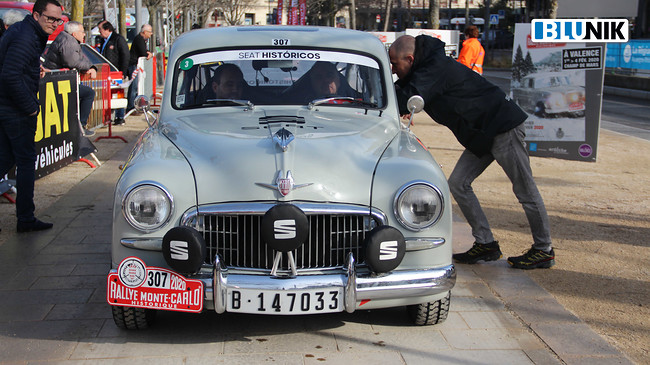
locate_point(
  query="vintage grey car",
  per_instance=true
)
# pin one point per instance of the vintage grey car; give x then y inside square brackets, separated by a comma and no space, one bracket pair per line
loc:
[550,94]
[258,190]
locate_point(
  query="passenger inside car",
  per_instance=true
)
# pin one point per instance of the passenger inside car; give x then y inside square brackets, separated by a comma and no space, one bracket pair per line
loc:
[322,81]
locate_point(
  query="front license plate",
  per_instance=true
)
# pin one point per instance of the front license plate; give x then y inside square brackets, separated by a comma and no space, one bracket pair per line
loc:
[307,301]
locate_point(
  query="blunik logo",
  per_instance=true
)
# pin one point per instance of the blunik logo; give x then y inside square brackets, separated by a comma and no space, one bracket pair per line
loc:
[580,30]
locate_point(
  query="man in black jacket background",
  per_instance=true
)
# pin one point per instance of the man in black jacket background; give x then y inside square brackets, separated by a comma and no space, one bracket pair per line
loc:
[20,72]
[490,126]
[116,50]
[138,49]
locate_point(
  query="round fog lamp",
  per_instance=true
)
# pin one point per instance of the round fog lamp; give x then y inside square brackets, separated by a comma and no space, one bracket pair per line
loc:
[418,206]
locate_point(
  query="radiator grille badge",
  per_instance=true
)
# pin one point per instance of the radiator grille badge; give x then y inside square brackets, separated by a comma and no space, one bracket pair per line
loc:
[283,185]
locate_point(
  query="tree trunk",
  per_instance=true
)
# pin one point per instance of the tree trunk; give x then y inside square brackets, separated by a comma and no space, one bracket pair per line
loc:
[78,11]
[121,20]
[353,14]
[389,5]
[434,14]
[552,11]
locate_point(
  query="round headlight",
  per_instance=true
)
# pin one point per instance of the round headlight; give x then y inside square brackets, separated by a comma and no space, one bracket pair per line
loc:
[418,205]
[147,207]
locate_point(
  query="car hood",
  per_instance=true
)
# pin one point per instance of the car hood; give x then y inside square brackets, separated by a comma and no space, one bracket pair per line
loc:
[237,155]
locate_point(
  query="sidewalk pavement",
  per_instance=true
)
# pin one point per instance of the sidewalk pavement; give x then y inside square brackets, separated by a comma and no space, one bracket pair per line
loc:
[53,309]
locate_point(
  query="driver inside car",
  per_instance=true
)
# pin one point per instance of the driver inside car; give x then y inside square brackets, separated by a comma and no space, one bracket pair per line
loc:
[228,82]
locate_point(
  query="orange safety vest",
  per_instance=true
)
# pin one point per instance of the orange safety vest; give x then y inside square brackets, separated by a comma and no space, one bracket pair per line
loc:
[472,54]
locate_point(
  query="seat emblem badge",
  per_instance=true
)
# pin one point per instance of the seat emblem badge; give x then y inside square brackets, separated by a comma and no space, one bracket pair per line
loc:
[283,185]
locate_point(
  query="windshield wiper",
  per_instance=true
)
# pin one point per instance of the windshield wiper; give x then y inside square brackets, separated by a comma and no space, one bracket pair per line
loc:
[341,100]
[247,103]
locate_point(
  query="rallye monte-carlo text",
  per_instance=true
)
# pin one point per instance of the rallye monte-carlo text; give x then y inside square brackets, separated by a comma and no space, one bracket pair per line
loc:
[278,179]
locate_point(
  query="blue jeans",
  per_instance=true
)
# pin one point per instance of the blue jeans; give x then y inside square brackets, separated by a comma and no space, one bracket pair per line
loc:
[86,98]
[510,153]
[17,147]
[133,89]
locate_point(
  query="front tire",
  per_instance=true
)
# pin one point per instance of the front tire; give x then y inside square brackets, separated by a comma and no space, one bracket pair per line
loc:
[430,313]
[131,318]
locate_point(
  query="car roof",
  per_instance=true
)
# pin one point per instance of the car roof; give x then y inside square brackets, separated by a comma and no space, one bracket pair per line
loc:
[262,36]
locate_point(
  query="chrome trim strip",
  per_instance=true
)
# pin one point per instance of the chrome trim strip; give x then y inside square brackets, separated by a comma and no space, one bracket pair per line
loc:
[351,286]
[147,244]
[412,283]
[219,285]
[258,208]
[393,285]
[417,244]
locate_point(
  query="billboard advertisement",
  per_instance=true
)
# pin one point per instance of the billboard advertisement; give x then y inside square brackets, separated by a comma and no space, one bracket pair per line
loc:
[559,86]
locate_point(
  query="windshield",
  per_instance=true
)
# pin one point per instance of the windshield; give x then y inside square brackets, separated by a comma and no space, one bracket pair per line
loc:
[277,76]
[552,81]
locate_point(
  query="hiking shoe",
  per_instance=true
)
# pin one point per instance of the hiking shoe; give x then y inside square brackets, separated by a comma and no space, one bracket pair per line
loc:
[88,132]
[35,225]
[118,121]
[485,252]
[533,259]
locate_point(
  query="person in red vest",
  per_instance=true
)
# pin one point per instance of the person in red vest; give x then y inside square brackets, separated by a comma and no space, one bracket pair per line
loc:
[472,53]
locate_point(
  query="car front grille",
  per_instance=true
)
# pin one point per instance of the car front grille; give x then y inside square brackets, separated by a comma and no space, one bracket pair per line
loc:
[236,237]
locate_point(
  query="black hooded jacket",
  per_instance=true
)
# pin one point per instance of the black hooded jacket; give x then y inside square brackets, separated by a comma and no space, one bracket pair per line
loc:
[474,109]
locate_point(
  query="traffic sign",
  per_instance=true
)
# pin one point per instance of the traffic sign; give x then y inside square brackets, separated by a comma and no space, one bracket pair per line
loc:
[494,19]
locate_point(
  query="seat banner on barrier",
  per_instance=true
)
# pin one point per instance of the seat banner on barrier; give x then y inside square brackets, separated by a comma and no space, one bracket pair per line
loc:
[58,137]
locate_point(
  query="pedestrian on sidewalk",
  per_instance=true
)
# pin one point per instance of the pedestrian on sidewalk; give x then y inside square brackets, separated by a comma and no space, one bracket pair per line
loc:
[138,49]
[116,50]
[65,52]
[20,73]
[490,126]
[472,53]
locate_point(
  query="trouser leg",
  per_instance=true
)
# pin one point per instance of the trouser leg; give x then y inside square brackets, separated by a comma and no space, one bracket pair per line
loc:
[510,152]
[467,169]
[18,145]
[86,98]
[133,89]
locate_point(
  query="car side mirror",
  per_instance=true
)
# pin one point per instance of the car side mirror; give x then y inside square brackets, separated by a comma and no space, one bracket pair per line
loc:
[415,104]
[142,105]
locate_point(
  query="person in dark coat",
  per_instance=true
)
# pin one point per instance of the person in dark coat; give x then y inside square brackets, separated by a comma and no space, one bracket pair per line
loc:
[20,72]
[116,50]
[138,49]
[490,126]
[65,52]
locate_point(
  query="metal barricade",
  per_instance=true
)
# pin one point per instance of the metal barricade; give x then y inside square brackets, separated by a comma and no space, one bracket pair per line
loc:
[100,113]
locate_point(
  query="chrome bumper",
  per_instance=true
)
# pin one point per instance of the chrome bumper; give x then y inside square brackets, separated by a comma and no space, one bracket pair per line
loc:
[396,284]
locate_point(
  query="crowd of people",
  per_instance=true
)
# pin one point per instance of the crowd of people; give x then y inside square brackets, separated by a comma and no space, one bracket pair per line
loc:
[23,45]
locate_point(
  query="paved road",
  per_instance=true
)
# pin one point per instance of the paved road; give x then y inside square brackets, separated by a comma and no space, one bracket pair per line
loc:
[627,115]
[53,310]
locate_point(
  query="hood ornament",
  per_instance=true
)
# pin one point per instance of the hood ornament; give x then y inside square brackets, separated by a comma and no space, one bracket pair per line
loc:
[283,137]
[283,185]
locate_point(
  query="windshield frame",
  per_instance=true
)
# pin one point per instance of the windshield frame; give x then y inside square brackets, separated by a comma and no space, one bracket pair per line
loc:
[380,72]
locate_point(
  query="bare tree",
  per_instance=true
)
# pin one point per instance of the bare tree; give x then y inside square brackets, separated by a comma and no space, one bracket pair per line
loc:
[389,5]
[434,14]
[234,10]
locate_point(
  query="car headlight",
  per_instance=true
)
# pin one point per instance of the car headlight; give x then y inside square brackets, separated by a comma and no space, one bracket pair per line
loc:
[418,205]
[556,100]
[147,207]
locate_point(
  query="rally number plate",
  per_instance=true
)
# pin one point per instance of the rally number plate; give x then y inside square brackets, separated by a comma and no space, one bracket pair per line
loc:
[323,300]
